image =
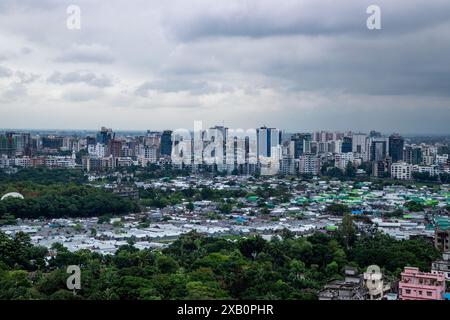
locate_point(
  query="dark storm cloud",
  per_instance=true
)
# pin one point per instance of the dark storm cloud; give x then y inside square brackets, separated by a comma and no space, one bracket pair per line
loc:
[297,64]
[312,18]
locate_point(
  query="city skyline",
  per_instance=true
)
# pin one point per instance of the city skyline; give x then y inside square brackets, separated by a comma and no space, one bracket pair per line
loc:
[303,65]
[160,129]
[234,152]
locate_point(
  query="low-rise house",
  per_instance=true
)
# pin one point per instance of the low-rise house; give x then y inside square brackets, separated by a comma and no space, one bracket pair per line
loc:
[417,285]
[442,265]
[351,288]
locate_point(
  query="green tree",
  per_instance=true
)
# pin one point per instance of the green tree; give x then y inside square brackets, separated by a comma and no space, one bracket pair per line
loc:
[347,231]
[190,206]
[166,264]
[350,170]
[337,209]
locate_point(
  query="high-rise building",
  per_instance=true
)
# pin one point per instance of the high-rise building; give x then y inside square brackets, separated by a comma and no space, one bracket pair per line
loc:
[443,149]
[97,150]
[148,154]
[52,142]
[346,145]
[374,134]
[342,159]
[412,154]
[215,146]
[324,136]
[300,139]
[90,141]
[381,168]
[114,148]
[401,170]
[267,138]
[309,164]
[6,145]
[396,144]
[378,149]
[22,143]
[104,135]
[359,143]
[166,143]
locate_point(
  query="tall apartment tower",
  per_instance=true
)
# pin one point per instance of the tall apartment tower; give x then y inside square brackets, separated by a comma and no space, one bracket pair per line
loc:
[166,143]
[267,138]
[396,144]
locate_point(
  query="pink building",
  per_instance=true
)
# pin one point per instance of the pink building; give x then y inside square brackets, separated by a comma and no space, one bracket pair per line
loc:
[416,285]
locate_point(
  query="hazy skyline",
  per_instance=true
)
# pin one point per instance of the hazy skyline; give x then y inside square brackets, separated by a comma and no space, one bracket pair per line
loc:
[298,65]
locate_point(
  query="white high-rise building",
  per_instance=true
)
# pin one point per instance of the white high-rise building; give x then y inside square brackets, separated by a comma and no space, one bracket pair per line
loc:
[342,159]
[401,170]
[97,150]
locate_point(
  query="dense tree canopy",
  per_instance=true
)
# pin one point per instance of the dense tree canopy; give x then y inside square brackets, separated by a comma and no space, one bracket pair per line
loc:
[61,200]
[199,267]
[44,176]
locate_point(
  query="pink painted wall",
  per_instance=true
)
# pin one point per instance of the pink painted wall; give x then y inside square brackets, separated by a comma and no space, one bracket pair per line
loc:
[416,285]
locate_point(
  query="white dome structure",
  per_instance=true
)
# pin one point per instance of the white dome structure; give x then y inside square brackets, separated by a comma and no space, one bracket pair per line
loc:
[12,195]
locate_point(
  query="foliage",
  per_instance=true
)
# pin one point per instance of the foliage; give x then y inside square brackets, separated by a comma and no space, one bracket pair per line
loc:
[44,176]
[61,200]
[414,206]
[199,267]
[337,209]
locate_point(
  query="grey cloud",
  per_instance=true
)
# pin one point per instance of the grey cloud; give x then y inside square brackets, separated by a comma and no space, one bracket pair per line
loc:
[26,50]
[5,72]
[88,78]
[87,54]
[81,96]
[26,78]
[13,92]
[248,62]
[266,18]
[195,87]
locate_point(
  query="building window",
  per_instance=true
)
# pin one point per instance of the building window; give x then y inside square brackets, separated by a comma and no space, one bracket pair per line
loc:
[429,293]
[420,292]
[407,291]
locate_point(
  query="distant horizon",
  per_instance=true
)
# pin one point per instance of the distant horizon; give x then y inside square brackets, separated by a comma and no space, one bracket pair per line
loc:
[190,129]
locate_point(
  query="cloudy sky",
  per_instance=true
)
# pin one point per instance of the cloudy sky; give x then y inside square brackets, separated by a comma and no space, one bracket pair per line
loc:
[301,65]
